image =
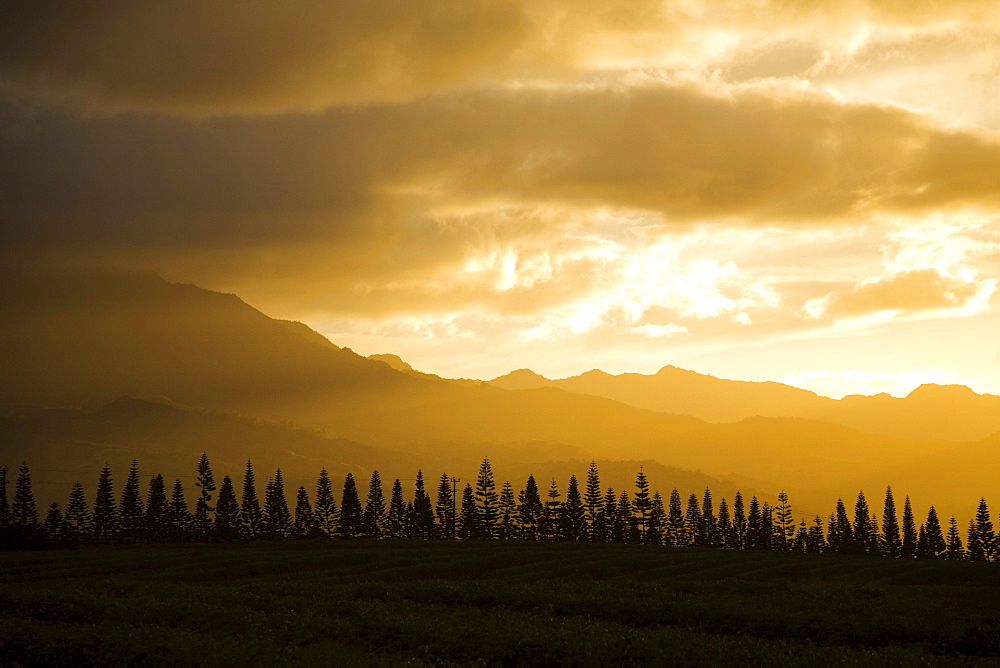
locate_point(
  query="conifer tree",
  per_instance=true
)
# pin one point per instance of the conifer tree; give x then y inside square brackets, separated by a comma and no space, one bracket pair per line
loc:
[77,512]
[693,521]
[4,504]
[676,526]
[373,519]
[908,549]
[396,518]
[423,511]
[601,530]
[23,511]
[446,507]
[971,540]
[155,521]
[178,514]
[573,522]
[840,532]
[739,522]
[487,501]
[305,524]
[203,507]
[727,538]
[409,521]
[892,544]
[709,531]
[130,510]
[593,501]
[250,510]
[784,522]
[768,531]
[104,519]
[932,538]
[815,542]
[629,527]
[227,512]
[351,513]
[327,515]
[508,512]
[277,518]
[865,535]
[657,520]
[552,514]
[54,527]
[801,542]
[756,538]
[982,544]
[955,551]
[468,517]
[642,504]
[615,533]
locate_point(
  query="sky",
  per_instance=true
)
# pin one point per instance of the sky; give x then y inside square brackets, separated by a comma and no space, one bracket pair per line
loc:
[761,189]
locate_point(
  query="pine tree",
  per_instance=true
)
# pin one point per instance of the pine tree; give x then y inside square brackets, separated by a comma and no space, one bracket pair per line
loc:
[768,532]
[981,546]
[931,537]
[629,528]
[227,523]
[305,524]
[693,521]
[487,501]
[203,507]
[277,518]
[657,520]
[840,532]
[327,514]
[409,521]
[55,527]
[971,540]
[574,516]
[801,542]
[784,522]
[351,513]
[446,507]
[865,534]
[156,525]
[908,549]
[423,511]
[508,512]
[676,527]
[709,530]
[892,544]
[130,510]
[815,542]
[23,511]
[642,504]
[250,510]
[727,538]
[178,514]
[552,514]
[739,522]
[104,520]
[593,501]
[373,519]
[955,551]
[468,518]
[396,518]
[601,531]
[77,512]
[615,533]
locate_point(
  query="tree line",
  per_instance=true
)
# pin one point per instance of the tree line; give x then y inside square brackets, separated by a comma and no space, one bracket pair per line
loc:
[480,512]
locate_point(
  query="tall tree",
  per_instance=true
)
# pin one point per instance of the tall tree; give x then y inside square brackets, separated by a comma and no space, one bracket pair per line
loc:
[982,545]
[676,527]
[933,545]
[445,507]
[601,530]
[396,518]
[77,511]
[574,515]
[892,544]
[801,542]
[784,522]
[709,530]
[657,520]
[955,551]
[373,520]
[614,531]
[305,524]
[642,504]
[908,549]
[508,512]
[351,513]
[423,511]
[130,510]
[327,515]
[693,521]
[629,528]
[865,531]
[727,537]
[739,521]
[468,517]
[757,535]
[552,515]
[178,514]
[593,501]
[203,507]
[815,541]
[104,519]
[250,510]
[530,511]
[23,511]
[227,512]
[487,500]
[840,532]
[156,526]
[276,515]
[55,527]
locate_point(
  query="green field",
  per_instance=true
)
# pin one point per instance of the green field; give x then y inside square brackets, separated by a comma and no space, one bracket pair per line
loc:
[438,602]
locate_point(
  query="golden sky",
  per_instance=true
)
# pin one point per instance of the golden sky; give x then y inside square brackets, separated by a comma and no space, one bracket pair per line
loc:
[767,189]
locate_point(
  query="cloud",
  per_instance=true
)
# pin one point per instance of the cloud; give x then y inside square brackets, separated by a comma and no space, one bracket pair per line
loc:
[907,290]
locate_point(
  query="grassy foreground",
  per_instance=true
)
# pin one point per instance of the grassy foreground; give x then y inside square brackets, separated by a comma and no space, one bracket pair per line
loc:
[437,602]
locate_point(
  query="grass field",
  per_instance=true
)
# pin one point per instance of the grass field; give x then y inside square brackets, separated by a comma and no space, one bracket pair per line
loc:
[436,602]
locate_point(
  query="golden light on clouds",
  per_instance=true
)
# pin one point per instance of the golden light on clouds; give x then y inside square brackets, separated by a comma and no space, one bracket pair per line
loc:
[754,189]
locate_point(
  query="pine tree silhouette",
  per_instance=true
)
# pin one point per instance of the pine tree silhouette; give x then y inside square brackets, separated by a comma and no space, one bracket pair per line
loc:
[604,525]
[676,527]
[982,544]
[155,522]
[642,504]
[955,551]
[104,519]
[552,514]
[508,512]
[757,534]
[227,523]
[865,533]
[327,514]
[23,511]
[373,519]
[693,522]
[769,539]
[468,517]
[250,511]
[709,532]
[892,544]
[206,483]
[801,542]
[277,519]
[446,507]
[727,537]
[629,527]
[77,511]
[739,522]
[573,524]
[130,510]
[932,539]
[423,512]
[351,513]
[815,541]
[304,524]
[616,531]
[908,549]
[396,517]
[487,501]
[784,521]
[178,514]
[657,520]
[593,501]
[840,532]
[54,527]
